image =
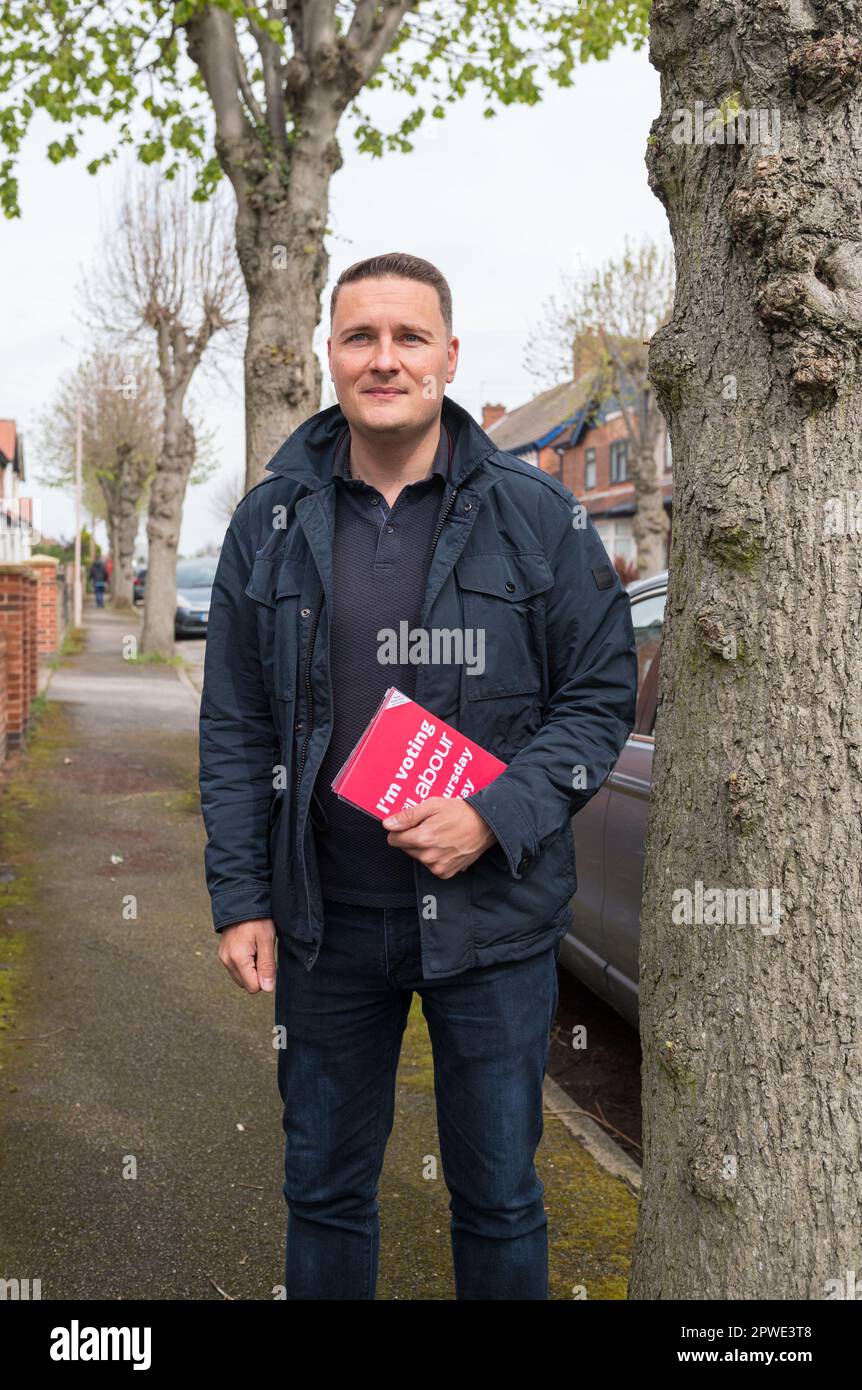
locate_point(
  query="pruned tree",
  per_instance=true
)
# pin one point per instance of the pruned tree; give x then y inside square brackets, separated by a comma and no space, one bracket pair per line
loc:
[227,496]
[120,403]
[168,275]
[600,325]
[273,81]
[751,924]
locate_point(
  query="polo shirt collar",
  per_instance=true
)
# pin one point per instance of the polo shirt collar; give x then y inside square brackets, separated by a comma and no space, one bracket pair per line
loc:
[341,462]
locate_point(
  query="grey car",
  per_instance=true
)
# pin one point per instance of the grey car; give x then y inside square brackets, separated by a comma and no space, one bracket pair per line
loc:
[601,948]
[194,591]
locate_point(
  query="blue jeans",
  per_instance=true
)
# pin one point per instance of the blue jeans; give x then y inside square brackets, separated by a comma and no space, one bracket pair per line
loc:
[99,591]
[490,1035]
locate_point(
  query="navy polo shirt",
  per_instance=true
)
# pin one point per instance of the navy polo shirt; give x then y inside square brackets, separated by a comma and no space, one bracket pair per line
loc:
[380,565]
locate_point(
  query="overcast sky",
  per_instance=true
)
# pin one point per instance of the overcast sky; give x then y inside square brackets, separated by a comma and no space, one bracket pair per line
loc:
[504,207]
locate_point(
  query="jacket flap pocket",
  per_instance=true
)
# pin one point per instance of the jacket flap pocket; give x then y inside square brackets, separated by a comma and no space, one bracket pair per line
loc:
[288,580]
[512,577]
[271,578]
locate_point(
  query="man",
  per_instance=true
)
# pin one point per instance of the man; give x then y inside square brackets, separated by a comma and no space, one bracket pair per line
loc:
[393,507]
[99,578]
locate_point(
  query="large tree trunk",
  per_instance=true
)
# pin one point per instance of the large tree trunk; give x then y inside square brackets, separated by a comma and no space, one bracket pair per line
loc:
[752,1037]
[122,492]
[280,247]
[112,551]
[126,531]
[164,520]
[650,523]
[282,193]
[284,263]
[280,156]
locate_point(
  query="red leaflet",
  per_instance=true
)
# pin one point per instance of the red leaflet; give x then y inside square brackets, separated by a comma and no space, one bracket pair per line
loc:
[406,755]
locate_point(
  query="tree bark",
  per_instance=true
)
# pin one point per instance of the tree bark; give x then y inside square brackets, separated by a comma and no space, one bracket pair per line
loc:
[624,375]
[164,519]
[280,156]
[122,493]
[285,264]
[126,529]
[649,523]
[751,1036]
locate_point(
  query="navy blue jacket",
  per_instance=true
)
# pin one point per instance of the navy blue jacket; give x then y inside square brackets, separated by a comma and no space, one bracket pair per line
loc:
[514,555]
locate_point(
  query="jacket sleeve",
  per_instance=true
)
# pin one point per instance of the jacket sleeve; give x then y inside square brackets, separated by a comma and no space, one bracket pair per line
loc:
[239,745]
[592,673]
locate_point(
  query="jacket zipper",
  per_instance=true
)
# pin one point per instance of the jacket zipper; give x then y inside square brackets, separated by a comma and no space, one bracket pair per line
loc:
[308,691]
[440,523]
[309,695]
[313,633]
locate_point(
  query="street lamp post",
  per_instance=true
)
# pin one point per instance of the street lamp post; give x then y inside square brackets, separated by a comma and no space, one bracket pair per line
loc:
[77,587]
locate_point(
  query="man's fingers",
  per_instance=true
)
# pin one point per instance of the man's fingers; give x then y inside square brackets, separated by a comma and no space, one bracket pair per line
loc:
[238,960]
[247,951]
[247,972]
[226,959]
[265,961]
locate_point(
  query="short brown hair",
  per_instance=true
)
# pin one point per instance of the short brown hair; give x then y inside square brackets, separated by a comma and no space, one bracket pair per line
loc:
[407,268]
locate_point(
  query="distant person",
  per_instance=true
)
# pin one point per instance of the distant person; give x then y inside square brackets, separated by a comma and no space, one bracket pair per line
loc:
[99,575]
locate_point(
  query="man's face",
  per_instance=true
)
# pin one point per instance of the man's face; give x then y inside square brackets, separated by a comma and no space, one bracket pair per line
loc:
[389,355]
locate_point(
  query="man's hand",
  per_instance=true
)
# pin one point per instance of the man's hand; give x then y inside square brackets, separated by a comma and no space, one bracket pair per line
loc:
[247,951]
[444,832]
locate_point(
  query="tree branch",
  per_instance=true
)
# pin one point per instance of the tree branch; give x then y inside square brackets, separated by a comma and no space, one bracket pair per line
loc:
[273,63]
[373,27]
[214,50]
[247,93]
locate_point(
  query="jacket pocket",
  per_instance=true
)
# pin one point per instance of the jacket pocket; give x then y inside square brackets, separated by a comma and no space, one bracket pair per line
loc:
[275,586]
[501,604]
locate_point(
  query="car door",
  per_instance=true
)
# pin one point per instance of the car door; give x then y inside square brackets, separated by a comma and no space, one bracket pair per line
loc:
[582,950]
[626,818]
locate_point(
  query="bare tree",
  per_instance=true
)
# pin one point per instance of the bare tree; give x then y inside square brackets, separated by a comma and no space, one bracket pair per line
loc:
[601,324]
[120,402]
[227,496]
[168,273]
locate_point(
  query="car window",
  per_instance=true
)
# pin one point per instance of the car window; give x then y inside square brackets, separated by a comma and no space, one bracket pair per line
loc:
[647,618]
[196,574]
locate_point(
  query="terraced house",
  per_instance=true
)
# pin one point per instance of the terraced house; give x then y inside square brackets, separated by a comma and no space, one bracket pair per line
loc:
[585,442]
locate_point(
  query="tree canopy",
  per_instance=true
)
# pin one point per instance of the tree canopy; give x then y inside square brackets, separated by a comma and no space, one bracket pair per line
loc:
[124,63]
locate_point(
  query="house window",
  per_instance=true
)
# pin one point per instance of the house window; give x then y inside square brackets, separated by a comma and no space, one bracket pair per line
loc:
[619,460]
[589,469]
[617,538]
[668,457]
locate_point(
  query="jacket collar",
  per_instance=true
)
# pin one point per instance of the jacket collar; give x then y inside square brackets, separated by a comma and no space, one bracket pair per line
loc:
[341,457]
[307,454]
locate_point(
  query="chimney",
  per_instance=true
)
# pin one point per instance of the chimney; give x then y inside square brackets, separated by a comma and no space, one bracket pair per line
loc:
[586,352]
[491,414]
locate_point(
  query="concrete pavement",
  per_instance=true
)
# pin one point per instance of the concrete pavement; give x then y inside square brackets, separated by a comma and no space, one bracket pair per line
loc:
[140,1122]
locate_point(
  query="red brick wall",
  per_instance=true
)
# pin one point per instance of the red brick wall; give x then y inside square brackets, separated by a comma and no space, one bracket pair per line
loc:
[2,697]
[45,569]
[491,414]
[599,438]
[605,494]
[18,625]
[31,629]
